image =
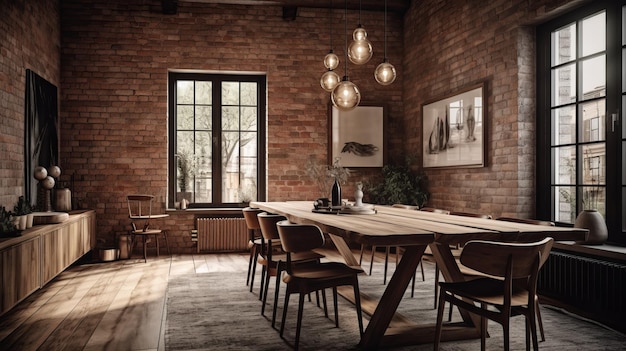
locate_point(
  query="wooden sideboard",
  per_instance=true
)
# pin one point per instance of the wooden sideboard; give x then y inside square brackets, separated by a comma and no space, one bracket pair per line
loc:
[31,260]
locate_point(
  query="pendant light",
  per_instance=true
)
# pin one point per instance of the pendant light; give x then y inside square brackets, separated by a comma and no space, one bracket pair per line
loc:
[360,50]
[330,79]
[346,94]
[385,73]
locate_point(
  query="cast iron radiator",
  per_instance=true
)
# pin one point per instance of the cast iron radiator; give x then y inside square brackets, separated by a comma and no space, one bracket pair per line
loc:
[222,234]
[587,284]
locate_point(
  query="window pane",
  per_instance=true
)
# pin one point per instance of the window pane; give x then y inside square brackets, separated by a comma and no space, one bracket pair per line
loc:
[184,92]
[594,156]
[230,93]
[184,117]
[249,94]
[230,166]
[594,34]
[564,85]
[204,93]
[593,77]
[203,117]
[623,70]
[564,45]
[248,118]
[230,118]
[565,165]
[249,167]
[593,117]
[564,125]
[565,204]
[623,163]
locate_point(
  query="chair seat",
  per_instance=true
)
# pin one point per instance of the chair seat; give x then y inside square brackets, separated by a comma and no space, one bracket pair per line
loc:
[147,232]
[486,290]
[330,270]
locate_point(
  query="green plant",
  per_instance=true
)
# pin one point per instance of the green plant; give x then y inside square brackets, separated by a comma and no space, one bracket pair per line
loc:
[22,207]
[400,185]
[7,228]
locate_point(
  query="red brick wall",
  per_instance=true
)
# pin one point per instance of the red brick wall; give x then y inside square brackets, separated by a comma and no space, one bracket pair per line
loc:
[115,59]
[29,39]
[113,78]
[452,44]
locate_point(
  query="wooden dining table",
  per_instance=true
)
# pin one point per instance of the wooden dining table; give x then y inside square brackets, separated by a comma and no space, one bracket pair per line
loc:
[413,230]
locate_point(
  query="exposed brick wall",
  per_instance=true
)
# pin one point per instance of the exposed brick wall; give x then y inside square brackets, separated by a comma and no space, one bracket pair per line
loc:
[113,77]
[452,44]
[115,58]
[29,39]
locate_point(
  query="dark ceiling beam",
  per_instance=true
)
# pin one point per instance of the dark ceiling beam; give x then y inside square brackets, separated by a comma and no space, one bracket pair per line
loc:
[169,7]
[400,6]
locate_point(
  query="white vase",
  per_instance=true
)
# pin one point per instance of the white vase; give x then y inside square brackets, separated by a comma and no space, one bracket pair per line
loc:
[592,220]
[29,220]
[358,195]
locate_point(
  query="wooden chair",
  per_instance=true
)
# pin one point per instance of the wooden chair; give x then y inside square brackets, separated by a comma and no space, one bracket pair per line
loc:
[510,285]
[537,222]
[275,263]
[140,212]
[303,279]
[257,246]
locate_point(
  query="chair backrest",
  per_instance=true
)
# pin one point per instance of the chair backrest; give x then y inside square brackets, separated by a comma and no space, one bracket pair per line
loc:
[434,210]
[525,220]
[139,205]
[406,207]
[299,237]
[469,214]
[250,214]
[267,222]
[495,258]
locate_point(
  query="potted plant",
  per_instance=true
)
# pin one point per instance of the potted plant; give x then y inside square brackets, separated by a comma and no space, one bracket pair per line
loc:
[186,171]
[21,210]
[400,185]
[7,228]
[589,218]
[327,177]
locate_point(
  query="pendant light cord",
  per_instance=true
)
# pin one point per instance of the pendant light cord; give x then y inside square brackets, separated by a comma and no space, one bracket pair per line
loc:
[385,35]
[330,24]
[345,30]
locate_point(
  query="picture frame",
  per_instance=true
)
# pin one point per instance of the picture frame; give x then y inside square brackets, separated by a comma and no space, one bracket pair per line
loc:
[357,137]
[454,129]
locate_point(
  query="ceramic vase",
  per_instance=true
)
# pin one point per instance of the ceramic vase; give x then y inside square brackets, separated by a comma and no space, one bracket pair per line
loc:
[592,220]
[358,195]
[336,194]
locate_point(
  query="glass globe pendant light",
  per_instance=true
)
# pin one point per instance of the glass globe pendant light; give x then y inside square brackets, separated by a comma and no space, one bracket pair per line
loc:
[385,73]
[346,94]
[360,50]
[330,79]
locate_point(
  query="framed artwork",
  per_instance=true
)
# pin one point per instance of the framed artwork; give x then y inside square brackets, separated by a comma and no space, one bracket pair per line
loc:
[357,137]
[41,130]
[453,129]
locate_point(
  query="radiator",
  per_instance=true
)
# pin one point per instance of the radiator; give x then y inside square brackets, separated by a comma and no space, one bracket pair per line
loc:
[590,285]
[222,234]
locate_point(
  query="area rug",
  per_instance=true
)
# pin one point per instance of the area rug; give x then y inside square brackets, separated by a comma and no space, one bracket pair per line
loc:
[216,311]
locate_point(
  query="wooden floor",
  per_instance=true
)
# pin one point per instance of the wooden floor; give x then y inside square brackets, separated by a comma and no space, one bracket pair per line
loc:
[116,305]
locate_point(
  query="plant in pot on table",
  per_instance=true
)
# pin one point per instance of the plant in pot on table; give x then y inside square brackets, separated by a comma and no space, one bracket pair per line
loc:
[328,178]
[7,228]
[23,214]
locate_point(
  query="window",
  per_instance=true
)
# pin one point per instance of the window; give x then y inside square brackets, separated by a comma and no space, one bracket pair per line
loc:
[579,68]
[217,139]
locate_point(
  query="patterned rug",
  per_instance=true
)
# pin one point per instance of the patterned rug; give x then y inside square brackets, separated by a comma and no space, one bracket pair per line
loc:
[216,311]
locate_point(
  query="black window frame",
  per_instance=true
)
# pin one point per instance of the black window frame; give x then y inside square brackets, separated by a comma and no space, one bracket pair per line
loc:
[217,78]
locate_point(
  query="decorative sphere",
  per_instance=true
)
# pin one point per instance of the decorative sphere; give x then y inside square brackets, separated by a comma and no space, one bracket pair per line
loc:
[331,61]
[329,80]
[48,183]
[360,51]
[54,171]
[40,173]
[385,73]
[346,95]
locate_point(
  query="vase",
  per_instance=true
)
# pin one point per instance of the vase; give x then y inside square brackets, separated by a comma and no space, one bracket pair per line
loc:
[594,222]
[358,195]
[336,194]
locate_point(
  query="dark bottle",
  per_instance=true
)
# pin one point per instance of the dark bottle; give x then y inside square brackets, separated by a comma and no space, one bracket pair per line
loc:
[336,194]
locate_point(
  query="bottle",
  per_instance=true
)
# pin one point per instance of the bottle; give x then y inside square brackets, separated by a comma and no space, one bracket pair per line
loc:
[336,194]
